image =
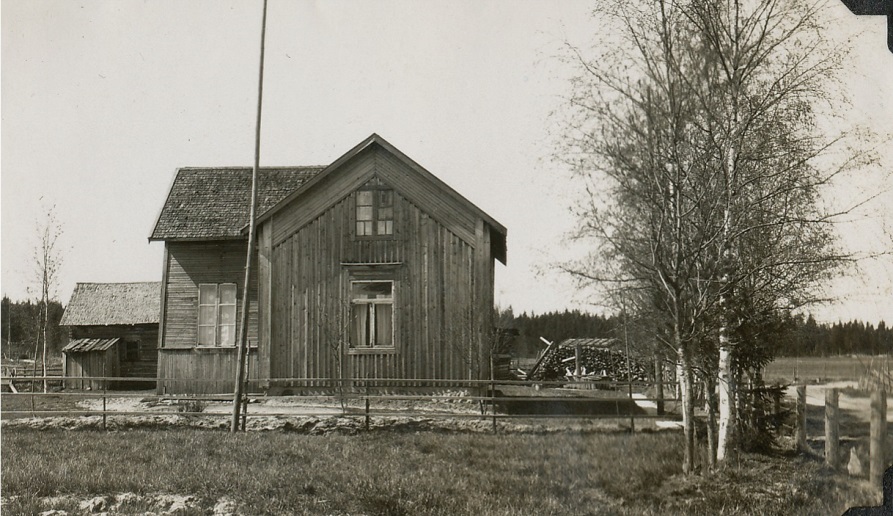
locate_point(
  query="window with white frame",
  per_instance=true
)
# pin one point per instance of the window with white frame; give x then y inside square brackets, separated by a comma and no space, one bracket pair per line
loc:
[217,314]
[372,314]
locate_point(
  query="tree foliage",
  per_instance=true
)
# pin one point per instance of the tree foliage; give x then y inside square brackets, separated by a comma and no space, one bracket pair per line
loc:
[695,136]
[19,325]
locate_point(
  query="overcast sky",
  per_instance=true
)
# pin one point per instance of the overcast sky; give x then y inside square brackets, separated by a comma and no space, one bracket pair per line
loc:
[103,100]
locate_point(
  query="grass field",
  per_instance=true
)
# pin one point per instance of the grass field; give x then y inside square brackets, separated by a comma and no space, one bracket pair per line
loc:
[393,473]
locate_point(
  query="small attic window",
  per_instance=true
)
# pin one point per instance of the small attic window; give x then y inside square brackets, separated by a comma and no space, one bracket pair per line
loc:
[375,212]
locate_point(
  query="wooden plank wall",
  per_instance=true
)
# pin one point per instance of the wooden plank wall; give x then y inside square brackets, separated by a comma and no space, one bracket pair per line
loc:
[434,299]
[146,334]
[90,364]
[203,371]
[192,263]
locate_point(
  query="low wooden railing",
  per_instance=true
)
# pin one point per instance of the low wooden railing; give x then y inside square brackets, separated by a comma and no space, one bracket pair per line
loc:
[493,399]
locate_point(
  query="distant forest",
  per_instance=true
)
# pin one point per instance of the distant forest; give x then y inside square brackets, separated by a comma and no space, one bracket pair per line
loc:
[19,331]
[797,336]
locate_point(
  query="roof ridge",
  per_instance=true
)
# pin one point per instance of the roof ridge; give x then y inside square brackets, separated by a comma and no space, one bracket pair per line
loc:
[249,167]
[118,283]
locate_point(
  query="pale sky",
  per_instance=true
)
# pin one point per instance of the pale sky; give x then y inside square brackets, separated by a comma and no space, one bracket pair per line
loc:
[102,100]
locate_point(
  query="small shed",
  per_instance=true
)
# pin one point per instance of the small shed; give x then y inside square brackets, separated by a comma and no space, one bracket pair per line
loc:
[113,332]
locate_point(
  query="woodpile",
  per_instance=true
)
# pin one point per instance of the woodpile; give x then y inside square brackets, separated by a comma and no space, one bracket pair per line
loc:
[596,364]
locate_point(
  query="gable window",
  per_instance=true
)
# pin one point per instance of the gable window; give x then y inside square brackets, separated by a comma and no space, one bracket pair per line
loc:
[217,314]
[375,213]
[372,314]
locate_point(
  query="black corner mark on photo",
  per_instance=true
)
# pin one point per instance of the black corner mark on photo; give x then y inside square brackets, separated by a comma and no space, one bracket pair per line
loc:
[884,510]
[874,8]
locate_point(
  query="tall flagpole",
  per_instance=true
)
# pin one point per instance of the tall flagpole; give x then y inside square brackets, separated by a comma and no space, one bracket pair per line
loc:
[252,218]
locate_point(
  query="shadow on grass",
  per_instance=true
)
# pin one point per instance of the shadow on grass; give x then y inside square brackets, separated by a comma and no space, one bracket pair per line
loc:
[569,406]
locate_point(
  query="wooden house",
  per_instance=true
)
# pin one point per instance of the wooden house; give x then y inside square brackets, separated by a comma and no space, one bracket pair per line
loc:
[113,332]
[369,268]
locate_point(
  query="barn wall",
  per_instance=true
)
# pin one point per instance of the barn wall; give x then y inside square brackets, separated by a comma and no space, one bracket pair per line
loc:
[437,309]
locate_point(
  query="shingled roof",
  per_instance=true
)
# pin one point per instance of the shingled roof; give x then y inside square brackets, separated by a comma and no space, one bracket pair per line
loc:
[105,304]
[212,203]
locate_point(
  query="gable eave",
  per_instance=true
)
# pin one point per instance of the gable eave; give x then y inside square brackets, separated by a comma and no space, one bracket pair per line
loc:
[376,139]
[314,180]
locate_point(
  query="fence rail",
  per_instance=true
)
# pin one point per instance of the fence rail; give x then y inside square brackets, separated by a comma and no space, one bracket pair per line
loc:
[360,397]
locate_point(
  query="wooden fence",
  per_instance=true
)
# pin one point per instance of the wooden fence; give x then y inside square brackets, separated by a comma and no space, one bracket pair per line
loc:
[878,435]
[492,400]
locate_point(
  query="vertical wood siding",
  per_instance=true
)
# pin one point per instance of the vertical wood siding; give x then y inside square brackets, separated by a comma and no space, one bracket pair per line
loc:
[90,364]
[202,371]
[434,299]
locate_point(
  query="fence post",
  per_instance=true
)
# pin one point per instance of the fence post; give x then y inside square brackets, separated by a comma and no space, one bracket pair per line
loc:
[801,418]
[367,414]
[105,385]
[493,391]
[659,380]
[832,428]
[103,406]
[878,435]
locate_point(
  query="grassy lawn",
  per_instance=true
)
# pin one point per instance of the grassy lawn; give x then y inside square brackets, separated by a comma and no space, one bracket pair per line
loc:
[385,472]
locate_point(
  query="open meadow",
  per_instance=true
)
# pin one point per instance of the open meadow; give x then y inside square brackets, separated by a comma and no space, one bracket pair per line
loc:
[832,368]
[395,473]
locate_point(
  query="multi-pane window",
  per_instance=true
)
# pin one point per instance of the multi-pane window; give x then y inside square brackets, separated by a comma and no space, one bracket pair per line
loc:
[372,314]
[217,314]
[375,212]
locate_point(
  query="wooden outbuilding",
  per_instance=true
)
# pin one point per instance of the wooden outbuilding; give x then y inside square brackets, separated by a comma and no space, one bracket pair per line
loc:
[368,268]
[113,332]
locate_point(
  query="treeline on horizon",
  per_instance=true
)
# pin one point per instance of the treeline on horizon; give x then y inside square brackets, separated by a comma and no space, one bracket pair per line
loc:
[20,323]
[795,336]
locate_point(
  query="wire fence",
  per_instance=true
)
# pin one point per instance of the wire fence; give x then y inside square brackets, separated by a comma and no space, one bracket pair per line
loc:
[492,400]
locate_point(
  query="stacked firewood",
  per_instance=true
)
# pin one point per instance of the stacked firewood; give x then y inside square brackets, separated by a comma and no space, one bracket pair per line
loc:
[595,364]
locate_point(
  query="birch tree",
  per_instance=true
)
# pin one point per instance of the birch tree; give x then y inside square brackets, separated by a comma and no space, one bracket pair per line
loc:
[47,260]
[694,132]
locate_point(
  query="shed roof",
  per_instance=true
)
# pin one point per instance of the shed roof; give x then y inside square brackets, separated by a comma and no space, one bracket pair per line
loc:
[105,304]
[85,345]
[213,203]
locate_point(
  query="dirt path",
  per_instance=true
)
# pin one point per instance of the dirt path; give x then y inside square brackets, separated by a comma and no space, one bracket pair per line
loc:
[858,407]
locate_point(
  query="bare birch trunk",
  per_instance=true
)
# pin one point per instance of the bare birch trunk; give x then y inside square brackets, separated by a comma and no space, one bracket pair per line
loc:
[727,388]
[45,322]
[688,414]
[710,388]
